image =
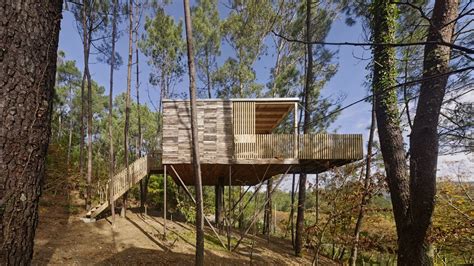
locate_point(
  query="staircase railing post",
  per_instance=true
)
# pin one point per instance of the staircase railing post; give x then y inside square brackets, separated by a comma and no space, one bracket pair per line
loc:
[164,201]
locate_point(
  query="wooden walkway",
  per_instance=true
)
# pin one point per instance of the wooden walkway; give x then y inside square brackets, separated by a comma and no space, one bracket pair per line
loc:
[255,158]
[137,171]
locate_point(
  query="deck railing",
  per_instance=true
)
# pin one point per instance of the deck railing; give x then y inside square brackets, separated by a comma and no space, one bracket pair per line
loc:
[309,146]
[137,170]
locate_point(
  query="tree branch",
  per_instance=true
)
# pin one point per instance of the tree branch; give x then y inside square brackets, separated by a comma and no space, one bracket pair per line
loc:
[451,45]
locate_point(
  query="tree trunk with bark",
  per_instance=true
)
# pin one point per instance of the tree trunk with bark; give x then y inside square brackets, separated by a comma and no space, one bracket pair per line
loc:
[86,79]
[140,140]
[111,108]
[195,139]
[424,140]
[127,101]
[308,85]
[29,38]
[412,198]
[69,143]
[89,132]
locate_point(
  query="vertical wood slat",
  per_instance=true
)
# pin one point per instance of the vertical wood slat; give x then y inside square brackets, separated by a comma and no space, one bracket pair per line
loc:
[244,129]
[305,146]
[310,146]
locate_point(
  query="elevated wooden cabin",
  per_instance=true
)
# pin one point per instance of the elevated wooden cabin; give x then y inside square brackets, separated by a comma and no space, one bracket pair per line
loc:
[237,139]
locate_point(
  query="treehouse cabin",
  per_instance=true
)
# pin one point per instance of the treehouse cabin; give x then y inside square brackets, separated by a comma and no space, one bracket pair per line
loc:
[239,143]
[238,146]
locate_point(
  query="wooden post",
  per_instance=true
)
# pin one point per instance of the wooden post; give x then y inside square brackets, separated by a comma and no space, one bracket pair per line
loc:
[317,198]
[267,221]
[295,132]
[230,204]
[219,193]
[261,209]
[292,211]
[164,201]
[194,201]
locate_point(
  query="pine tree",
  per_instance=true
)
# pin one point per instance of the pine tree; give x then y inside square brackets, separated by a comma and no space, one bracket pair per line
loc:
[25,117]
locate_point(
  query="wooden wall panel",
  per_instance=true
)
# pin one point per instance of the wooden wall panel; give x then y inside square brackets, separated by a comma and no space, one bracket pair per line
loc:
[214,131]
[244,129]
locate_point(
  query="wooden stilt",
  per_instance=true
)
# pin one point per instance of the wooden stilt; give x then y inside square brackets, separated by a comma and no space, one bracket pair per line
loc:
[292,211]
[219,193]
[260,210]
[165,177]
[240,198]
[228,215]
[194,201]
[250,199]
[317,198]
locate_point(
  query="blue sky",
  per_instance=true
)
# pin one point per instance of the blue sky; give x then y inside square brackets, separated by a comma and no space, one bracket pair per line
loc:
[348,80]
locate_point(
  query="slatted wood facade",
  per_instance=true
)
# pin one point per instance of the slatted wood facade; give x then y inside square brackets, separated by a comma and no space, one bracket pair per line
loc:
[214,130]
[236,136]
[244,129]
[228,134]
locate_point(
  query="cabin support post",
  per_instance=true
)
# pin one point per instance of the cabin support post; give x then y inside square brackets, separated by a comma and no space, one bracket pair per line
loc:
[241,217]
[194,201]
[165,177]
[300,213]
[230,207]
[292,211]
[252,196]
[219,191]
[241,197]
[295,132]
[254,219]
[267,220]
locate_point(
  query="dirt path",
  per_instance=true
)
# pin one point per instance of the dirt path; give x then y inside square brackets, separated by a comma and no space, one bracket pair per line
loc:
[62,238]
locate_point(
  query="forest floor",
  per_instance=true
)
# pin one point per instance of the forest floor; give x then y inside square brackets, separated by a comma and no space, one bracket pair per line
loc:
[62,238]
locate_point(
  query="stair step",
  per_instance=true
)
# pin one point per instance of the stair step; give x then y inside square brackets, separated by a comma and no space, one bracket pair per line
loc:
[137,173]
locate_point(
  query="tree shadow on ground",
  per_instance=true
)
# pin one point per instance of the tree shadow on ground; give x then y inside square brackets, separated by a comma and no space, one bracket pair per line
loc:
[142,256]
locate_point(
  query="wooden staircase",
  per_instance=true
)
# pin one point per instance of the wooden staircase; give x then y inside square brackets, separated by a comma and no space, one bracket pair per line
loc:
[137,171]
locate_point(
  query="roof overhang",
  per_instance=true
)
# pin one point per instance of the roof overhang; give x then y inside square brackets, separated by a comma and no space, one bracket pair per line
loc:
[270,112]
[268,115]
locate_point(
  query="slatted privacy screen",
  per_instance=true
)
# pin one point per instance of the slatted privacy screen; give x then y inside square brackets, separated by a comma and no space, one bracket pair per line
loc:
[330,146]
[244,129]
[277,146]
[310,146]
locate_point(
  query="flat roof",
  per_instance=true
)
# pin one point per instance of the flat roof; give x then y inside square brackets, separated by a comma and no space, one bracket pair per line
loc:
[293,99]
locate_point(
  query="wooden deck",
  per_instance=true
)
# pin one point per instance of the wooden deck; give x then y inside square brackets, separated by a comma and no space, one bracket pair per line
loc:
[262,156]
[259,157]
[307,147]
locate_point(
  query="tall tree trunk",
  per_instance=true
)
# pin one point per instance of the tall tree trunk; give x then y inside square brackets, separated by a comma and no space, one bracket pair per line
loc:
[366,193]
[111,108]
[412,200]
[390,134]
[69,143]
[88,36]
[127,101]
[424,140]
[25,118]
[208,74]
[308,85]
[140,140]
[195,139]
[83,86]
[89,137]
